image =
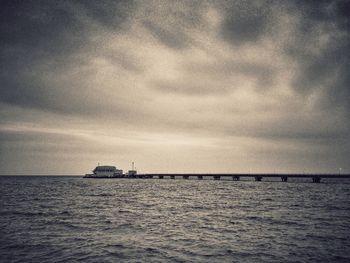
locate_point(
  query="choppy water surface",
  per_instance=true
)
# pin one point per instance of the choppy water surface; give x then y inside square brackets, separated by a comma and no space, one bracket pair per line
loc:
[65,219]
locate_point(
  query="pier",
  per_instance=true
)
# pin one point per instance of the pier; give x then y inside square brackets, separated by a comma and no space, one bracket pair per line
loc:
[107,171]
[316,178]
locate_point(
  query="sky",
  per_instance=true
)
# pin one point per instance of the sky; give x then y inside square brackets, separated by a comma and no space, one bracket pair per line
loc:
[175,86]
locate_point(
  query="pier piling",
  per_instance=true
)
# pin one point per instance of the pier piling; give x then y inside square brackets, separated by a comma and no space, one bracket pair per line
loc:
[316,179]
[258,178]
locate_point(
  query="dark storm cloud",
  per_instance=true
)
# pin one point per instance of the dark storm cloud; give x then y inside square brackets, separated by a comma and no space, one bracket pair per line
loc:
[245,21]
[109,13]
[328,67]
[169,37]
[56,26]
[330,71]
[32,30]
[42,37]
[177,18]
[52,33]
[58,95]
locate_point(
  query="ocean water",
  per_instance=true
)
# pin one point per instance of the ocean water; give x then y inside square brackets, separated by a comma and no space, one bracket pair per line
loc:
[71,219]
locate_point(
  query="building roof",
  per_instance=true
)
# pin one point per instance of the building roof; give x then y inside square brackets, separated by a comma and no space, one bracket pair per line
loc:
[105,167]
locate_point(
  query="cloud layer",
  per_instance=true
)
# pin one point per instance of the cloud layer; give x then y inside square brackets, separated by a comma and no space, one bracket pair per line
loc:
[177,86]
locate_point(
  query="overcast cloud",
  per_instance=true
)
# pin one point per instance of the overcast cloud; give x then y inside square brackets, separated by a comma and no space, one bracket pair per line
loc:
[176,86]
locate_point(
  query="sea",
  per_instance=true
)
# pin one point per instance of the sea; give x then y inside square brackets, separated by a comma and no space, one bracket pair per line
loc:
[71,219]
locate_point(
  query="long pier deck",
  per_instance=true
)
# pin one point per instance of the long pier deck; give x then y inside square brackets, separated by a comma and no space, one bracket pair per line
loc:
[316,178]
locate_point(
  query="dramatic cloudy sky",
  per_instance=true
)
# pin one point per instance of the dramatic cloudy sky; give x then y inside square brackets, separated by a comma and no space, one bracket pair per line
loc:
[176,86]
